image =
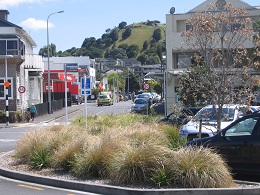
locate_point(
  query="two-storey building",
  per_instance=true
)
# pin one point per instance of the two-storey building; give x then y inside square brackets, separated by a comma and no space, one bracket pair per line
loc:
[19,65]
[179,54]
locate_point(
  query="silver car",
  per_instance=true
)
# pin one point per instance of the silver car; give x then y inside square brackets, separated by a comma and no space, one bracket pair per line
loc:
[140,105]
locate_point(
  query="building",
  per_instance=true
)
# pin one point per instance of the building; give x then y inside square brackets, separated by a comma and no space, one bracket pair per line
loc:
[178,53]
[77,67]
[22,68]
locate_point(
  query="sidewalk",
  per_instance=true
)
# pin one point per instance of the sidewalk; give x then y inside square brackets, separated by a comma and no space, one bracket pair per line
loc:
[45,118]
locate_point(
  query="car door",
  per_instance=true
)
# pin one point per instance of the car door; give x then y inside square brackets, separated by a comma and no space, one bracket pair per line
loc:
[240,144]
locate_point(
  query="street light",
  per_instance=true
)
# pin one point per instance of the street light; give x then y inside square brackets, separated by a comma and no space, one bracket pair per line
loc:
[49,75]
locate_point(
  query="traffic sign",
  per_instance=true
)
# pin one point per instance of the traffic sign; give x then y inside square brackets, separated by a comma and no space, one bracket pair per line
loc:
[21,89]
[85,86]
[146,86]
[6,84]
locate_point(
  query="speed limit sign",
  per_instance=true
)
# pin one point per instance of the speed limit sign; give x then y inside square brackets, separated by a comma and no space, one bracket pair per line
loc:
[146,86]
[21,89]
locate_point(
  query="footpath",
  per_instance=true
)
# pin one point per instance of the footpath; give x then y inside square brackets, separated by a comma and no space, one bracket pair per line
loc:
[249,188]
[45,118]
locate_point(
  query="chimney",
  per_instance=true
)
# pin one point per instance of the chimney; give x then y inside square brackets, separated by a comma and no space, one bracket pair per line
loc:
[4,14]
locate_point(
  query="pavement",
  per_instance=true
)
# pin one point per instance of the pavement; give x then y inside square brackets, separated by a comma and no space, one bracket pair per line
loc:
[250,188]
[45,118]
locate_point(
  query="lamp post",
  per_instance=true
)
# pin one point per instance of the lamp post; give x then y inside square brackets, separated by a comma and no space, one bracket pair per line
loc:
[49,75]
[6,84]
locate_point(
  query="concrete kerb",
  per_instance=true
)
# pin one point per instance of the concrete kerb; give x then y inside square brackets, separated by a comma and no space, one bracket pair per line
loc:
[108,189]
[254,188]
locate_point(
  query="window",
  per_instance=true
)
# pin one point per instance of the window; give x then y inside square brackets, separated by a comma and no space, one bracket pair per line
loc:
[184,61]
[242,128]
[2,88]
[189,27]
[9,47]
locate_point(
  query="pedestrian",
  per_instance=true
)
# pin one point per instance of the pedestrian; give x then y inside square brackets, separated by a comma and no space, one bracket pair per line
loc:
[133,96]
[33,111]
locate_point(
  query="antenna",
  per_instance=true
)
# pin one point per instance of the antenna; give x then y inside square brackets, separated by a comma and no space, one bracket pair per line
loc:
[172,10]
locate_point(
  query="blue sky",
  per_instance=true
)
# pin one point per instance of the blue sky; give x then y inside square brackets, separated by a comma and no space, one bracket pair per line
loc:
[87,18]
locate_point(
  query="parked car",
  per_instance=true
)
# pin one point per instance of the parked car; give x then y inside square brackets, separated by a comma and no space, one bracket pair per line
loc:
[181,117]
[206,115]
[238,143]
[76,99]
[140,105]
[104,99]
[147,96]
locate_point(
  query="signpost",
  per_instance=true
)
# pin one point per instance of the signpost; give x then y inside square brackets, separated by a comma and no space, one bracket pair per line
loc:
[73,67]
[85,90]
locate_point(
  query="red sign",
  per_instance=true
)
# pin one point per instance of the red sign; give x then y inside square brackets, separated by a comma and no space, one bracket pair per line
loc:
[21,89]
[146,86]
[6,84]
[100,86]
[70,77]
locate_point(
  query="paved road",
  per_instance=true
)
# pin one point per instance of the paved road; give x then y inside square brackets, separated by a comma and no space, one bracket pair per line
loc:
[9,135]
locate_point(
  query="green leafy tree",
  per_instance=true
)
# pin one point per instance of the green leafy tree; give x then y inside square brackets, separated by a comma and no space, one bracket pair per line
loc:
[116,53]
[142,58]
[114,34]
[127,33]
[157,34]
[134,84]
[52,51]
[122,25]
[153,60]
[145,45]
[132,51]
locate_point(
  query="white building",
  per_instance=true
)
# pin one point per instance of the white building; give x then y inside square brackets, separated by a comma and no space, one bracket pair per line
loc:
[24,70]
[177,52]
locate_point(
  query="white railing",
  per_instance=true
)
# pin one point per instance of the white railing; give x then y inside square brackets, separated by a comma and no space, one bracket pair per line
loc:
[33,62]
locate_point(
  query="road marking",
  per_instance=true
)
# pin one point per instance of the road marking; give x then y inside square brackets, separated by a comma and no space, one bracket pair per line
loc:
[30,187]
[7,140]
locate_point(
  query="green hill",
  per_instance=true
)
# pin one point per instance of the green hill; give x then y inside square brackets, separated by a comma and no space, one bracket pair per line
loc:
[140,33]
[113,45]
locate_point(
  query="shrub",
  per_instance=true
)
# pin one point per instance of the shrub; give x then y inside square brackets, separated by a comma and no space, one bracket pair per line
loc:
[198,167]
[136,165]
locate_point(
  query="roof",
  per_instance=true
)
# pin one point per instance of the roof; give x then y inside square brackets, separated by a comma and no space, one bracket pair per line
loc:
[236,4]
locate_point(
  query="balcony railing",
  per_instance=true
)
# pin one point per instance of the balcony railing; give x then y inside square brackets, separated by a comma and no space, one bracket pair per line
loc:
[33,62]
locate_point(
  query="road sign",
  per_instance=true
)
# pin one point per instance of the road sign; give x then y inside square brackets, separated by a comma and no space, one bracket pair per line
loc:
[146,86]
[21,89]
[85,86]
[71,67]
[6,84]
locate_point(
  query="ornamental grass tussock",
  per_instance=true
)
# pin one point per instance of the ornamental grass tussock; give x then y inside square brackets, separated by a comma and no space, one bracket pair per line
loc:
[139,152]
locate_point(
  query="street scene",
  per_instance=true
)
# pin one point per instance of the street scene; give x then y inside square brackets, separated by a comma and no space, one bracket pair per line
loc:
[168,105]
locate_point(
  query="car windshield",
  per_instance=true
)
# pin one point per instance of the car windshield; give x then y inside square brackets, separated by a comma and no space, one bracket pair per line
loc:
[140,101]
[143,96]
[103,96]
[207,114]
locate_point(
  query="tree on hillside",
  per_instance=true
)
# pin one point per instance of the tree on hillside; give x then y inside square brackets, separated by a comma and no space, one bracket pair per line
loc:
[145,45]
[132,51]
[157,34]
[116,53]
[127,33]
[122,25]
[152,60]
[219,73]
[114,34]
[142,58]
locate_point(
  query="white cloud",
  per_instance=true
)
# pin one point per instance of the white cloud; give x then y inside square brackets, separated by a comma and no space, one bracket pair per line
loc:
[33,24]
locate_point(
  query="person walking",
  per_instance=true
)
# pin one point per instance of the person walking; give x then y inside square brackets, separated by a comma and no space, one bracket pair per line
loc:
[33,111]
